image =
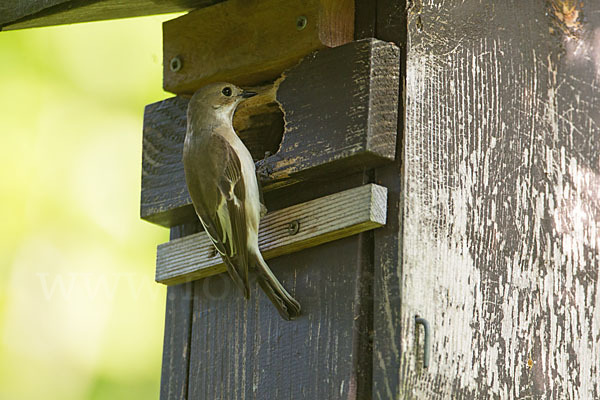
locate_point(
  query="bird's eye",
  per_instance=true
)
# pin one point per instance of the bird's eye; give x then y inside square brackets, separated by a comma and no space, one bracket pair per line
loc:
[226,91]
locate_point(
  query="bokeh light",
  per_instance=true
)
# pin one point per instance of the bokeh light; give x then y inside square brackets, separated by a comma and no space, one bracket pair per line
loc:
[80,314]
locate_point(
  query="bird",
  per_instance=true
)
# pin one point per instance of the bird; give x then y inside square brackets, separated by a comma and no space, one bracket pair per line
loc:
[222,183]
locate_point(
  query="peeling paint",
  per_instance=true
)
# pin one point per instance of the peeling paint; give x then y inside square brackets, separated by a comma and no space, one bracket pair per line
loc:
[501,249]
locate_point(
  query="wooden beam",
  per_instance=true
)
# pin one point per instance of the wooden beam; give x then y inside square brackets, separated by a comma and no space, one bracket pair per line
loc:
[340,107]
[36,13]
[249,42]
[319,221]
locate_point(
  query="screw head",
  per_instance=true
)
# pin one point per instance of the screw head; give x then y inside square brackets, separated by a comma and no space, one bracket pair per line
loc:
[293,227]
[175,64]
[301,22]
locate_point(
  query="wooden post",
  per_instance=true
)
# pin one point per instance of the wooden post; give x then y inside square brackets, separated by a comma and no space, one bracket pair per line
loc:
[498,247]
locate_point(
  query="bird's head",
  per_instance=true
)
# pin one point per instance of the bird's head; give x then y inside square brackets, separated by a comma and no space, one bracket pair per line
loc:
[219,97]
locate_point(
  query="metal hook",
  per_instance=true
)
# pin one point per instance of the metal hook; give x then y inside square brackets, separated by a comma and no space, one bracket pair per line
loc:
[426,339]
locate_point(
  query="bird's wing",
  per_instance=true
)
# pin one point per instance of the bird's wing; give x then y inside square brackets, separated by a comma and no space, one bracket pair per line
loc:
[226,225]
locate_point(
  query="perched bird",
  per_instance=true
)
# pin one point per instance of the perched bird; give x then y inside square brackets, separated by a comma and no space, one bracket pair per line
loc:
[221,179]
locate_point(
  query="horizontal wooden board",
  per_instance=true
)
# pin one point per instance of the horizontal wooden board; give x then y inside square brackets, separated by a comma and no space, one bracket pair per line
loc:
[321,220]
[35,13]
[340,107]
[249,42]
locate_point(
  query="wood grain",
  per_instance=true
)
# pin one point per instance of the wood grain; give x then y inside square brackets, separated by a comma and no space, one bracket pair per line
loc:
[340,108]
[390,25]
[501,251]
[249,42]
[320,221]
[21,14]
[178,329]
[244,349]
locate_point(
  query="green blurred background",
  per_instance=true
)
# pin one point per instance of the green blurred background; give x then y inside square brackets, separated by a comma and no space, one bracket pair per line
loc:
[80,314]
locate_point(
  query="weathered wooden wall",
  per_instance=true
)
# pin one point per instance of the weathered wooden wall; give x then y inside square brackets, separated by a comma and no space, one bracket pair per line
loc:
[242,349]
[218,345]
[501,234]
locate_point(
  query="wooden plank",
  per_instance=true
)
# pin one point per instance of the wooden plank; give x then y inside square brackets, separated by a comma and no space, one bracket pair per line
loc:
[320,221]
[365,27]
[364,312]
[178,330]
[340,109]
[21,14]
[390,25]
[343,101]
[176,356]
[247,43]
[502,211]
[244,349]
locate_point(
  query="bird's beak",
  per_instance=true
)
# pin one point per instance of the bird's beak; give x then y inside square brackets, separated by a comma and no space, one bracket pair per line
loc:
[247,94]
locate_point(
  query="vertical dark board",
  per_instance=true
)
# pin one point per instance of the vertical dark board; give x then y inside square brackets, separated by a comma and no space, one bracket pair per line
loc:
[502,211]
[390,25]
[178,329]
[244,350]
[365,13]
[362,343]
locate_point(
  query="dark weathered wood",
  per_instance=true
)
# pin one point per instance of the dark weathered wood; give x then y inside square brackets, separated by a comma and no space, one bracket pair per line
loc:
[250,42]
[340,109]
[320,221]
[243,349]
[363,314]
[390,25]
[178,329]
[501,249]
[365,19]
[365,27]
[20,14]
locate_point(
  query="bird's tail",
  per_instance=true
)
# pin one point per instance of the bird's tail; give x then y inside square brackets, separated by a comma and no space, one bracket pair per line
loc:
[287,306]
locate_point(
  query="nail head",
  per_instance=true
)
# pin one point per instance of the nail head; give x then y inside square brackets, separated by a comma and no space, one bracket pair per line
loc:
[175,64]
[301,22]
[293,227]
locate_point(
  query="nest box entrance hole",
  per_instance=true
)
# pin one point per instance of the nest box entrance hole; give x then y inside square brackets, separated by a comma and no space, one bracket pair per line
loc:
[259,122]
